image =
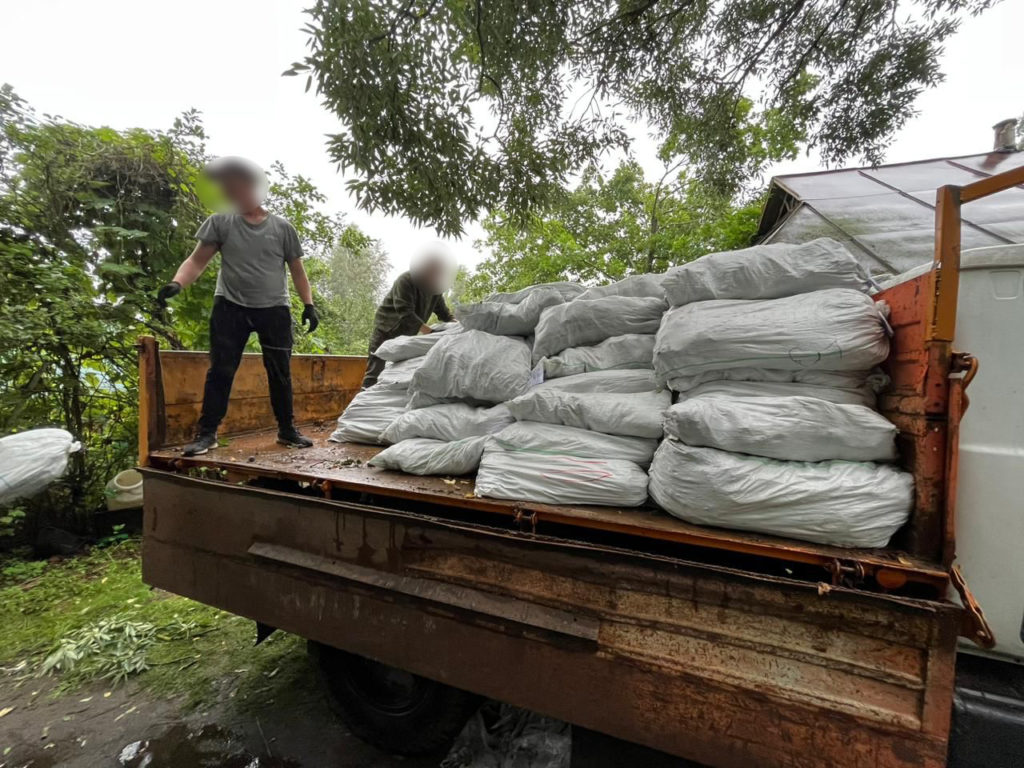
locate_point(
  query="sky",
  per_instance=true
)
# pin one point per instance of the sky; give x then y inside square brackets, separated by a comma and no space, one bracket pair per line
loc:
[139,63]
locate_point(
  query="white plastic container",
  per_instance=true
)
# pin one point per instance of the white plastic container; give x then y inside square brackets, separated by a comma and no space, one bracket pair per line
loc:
[124,491]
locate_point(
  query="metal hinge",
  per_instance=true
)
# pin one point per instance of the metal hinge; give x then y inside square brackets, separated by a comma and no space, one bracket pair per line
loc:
[975,625]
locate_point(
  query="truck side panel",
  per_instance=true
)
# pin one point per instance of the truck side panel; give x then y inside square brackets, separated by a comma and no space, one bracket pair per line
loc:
[710,664]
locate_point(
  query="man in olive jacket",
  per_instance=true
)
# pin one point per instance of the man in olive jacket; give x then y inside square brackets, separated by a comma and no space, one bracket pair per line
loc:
[407,307]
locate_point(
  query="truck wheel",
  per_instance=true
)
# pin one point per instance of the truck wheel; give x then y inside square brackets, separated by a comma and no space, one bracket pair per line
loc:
[393,710]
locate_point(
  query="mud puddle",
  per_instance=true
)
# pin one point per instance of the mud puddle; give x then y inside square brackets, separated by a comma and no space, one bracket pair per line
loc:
[186,747]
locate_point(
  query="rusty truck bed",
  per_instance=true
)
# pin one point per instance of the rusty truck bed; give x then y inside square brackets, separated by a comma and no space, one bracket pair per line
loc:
[337,468]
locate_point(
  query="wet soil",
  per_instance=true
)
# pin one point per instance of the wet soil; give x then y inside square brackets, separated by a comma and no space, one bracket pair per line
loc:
[127,727]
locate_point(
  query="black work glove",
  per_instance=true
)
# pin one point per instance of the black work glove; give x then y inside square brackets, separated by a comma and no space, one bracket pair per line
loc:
[168,291]
[310,316]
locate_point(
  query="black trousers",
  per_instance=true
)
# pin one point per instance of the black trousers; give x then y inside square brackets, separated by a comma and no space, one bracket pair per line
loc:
[230,327]
[374,365]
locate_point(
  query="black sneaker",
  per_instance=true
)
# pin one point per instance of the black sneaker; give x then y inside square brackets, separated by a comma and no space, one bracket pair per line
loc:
[204,442]
[293,439]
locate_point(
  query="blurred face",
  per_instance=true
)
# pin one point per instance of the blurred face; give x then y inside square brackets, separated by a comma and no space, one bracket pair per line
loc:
[240,190]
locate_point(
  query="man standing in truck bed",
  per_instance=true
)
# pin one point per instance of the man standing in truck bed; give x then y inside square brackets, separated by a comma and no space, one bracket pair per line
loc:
[252,295]
[407,307]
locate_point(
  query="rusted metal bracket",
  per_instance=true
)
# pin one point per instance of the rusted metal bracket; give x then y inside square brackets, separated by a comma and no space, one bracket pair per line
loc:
[846,573]
[975,626]
[522,518]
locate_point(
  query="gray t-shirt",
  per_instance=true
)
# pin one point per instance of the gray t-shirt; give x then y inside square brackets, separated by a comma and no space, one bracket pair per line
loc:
[252,257]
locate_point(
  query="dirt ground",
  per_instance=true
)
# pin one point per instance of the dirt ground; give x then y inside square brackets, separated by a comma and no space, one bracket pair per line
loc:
[128,727]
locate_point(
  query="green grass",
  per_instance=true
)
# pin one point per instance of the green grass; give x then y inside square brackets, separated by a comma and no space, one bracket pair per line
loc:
[193,650]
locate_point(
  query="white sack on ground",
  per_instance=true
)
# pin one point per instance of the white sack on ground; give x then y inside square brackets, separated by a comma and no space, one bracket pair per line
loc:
[31,460]
[765,272]
[399,375]
[834,330]
[556,439]
[579,323]
[863,395]
[634,350]
[604,381]
[634,285]
[842,503]
[404,347]
[450,421]
[786,428]
[553,479]
[636,414]
[568,291]
[422,456]
[475,366]
[369,414]
[505,319]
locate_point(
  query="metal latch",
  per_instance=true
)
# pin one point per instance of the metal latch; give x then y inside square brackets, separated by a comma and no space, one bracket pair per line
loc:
[975,625]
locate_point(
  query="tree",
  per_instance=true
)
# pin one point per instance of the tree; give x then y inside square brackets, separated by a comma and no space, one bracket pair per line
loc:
[611,226]
[92,222]
[351,285]
[451,107]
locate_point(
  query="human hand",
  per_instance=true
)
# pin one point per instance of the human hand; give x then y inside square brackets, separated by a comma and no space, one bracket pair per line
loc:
[310,317]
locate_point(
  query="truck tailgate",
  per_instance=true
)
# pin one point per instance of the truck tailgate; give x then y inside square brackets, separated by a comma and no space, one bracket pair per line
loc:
[722,666]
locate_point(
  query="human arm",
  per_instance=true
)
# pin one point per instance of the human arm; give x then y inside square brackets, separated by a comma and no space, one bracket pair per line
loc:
[192,267]
[301,282]
[189,271]
[444,314]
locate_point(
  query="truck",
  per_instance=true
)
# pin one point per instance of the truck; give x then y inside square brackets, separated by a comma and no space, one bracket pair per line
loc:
[726,648]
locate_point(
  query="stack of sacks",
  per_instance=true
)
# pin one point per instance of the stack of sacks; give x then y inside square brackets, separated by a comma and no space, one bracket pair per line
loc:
[585,435]
[456,392]
[775,430]
[445,439]
[582,439]
[373,409]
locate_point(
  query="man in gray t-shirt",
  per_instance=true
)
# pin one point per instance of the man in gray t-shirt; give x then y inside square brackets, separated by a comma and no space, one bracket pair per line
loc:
[258,250]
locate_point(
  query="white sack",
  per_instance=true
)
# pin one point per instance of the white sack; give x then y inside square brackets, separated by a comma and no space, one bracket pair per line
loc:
[505,319]
[786,428]
[842,379]
[841,503]
[834,330]
[568,292]
[604,381]
[579,323]
[448,422]
[765,272]
[634,350]
[403,347]
[421,456]
[369,414]
[636,414]
[399,375]
[634,285]
[560,479]
[556,439]
[31,460]
[863,395]
[475,366]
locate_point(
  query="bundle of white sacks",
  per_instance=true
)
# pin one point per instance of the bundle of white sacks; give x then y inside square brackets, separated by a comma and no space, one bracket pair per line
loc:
[560,394]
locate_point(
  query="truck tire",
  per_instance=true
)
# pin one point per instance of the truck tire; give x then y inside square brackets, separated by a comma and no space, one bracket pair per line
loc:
[394,710]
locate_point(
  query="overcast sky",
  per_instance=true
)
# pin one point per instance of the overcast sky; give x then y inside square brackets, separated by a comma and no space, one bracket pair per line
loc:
[127,63]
